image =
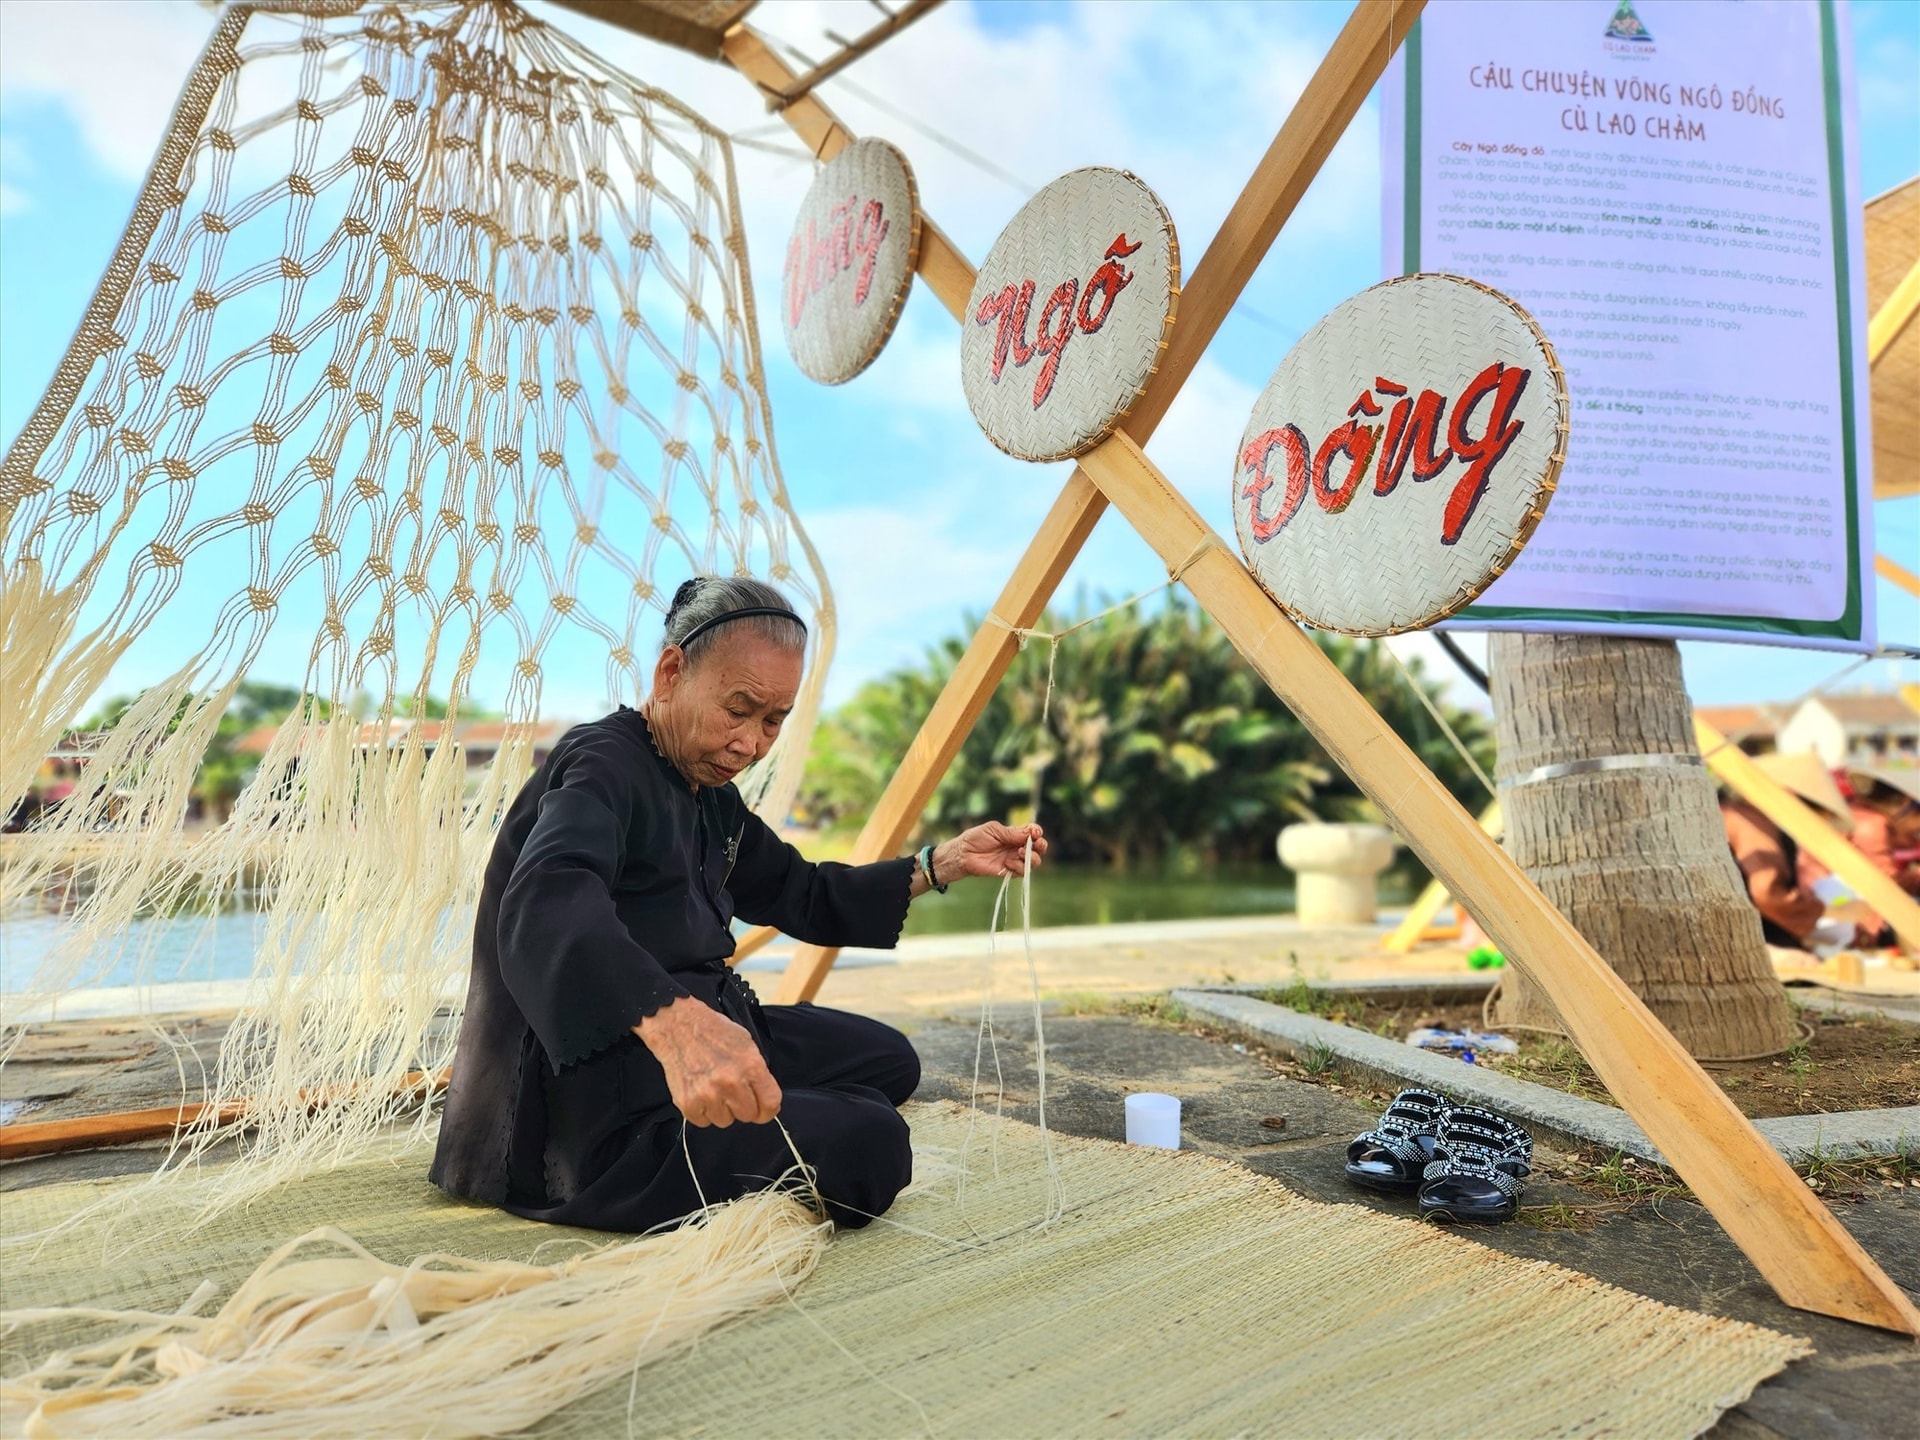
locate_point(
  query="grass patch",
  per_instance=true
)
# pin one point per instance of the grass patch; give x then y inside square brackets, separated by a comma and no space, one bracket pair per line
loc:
[1550,1060]
[1317,1058]
[1557,1216]
[1855,1177]
[1160,1009]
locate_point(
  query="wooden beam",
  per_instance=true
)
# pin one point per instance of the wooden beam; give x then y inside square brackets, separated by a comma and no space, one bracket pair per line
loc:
[944,269]
[1779,1224]
[849,51]
[1412,929]
[1898,574]
[1328,104]
[1893,315]
[662,23]
[1768,1211]
[1340,85]
[1876,889]
[816,125]
[94,1132]
[965,695]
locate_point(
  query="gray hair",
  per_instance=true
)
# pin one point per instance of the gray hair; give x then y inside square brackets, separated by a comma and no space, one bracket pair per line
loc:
[708,597]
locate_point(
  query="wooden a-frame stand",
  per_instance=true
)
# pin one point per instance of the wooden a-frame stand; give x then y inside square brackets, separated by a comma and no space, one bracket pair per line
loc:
[1769,1212]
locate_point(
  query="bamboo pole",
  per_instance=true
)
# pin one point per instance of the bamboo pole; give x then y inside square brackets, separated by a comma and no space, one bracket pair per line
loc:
[1898,574]
[1768,1211]
[1332,97]
[1893,315]
[1412,929]
[1811,833]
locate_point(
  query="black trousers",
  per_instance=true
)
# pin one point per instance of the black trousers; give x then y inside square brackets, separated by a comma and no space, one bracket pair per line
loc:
[841,1077]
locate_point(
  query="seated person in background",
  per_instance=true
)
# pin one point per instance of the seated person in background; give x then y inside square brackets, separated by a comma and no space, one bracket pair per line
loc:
[1885,809]
[1768,858]
[613,1071]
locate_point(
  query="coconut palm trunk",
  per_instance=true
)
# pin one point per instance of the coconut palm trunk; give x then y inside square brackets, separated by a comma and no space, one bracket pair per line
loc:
[1636,858]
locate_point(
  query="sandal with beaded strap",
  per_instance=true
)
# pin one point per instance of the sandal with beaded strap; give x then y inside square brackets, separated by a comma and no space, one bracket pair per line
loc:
[1478,1166]
[1394,1155]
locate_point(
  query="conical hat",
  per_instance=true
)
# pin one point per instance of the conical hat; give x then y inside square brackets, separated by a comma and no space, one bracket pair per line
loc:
[1806,777]
[1907,782]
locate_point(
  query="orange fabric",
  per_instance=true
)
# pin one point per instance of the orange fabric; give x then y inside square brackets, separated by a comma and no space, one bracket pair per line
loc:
[1760,850]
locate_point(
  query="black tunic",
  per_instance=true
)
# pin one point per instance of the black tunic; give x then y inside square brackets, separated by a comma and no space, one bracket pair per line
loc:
[609,893]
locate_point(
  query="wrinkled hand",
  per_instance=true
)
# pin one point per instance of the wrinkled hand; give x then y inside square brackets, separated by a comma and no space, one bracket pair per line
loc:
[991,849]
[715,1073]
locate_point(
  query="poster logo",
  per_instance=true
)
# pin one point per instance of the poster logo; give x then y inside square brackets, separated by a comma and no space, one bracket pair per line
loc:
[1626,25]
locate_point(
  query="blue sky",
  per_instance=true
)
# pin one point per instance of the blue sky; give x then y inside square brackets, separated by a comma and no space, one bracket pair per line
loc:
[919,519]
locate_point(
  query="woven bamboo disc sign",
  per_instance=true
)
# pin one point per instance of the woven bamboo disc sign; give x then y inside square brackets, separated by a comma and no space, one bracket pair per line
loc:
[1401,456]
[1069,314]
[850,262]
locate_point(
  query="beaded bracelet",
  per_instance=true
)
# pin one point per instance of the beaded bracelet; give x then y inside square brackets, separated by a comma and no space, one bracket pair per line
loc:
[926,864]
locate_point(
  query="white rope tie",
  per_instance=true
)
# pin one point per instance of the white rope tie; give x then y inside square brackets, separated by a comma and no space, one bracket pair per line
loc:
[1420,693]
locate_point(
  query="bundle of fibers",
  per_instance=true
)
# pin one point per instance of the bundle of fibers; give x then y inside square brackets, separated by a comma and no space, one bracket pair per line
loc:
[325,1338]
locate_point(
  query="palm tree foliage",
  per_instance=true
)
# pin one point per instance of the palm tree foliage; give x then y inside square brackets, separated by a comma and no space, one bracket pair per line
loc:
[1159,740]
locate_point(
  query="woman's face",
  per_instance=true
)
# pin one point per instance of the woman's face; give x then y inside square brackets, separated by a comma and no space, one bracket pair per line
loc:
[717,716]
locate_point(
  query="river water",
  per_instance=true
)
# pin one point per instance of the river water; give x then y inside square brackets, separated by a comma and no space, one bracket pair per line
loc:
[221,946]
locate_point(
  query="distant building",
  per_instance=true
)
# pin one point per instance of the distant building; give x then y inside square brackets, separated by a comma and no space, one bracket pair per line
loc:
[1752,727]
[1868,728]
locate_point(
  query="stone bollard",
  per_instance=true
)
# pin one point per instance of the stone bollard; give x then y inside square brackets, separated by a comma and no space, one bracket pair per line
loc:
[1335,867]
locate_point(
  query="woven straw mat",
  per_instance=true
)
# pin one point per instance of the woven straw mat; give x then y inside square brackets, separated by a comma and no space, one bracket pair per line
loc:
[1063,234]
[1178,1295]
[1379,565]
[836,336]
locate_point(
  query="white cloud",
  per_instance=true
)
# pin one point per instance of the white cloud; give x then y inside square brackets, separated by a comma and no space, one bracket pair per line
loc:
[902,578]
[115,67]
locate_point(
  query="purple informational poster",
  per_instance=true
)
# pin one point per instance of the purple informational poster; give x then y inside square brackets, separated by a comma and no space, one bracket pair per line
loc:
[1670,187]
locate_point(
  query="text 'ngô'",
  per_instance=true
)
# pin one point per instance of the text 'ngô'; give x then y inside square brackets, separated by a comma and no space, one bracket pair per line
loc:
[855,231]
[1411,431]
[1060,318]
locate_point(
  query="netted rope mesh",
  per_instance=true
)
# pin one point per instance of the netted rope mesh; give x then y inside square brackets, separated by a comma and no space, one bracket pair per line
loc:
[428,361]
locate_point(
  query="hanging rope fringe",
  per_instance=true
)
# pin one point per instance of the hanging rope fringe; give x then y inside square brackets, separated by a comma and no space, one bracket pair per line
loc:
[426,367]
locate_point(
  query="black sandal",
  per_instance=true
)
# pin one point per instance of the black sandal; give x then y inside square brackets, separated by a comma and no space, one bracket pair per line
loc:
[1475,1176]
[1395,1154]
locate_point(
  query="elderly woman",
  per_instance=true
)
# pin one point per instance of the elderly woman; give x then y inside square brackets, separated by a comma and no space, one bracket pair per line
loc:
[613,1071]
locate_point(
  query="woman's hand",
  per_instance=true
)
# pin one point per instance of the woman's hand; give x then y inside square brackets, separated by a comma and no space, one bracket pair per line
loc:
[715,1073]
[991,849]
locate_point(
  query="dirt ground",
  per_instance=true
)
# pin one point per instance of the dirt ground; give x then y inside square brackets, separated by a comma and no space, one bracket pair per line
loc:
[1840,1062]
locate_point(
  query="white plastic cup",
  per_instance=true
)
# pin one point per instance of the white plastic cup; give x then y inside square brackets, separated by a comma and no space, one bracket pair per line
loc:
[1153,1120]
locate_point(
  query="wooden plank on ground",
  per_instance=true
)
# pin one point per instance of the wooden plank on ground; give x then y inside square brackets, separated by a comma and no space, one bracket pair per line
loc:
[1766,1209]
[164,1122]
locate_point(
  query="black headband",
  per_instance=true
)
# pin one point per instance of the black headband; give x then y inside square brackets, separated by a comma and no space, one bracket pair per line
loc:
[705,625]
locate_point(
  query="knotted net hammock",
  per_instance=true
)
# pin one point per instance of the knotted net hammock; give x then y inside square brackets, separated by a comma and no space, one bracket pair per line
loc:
[425,370]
